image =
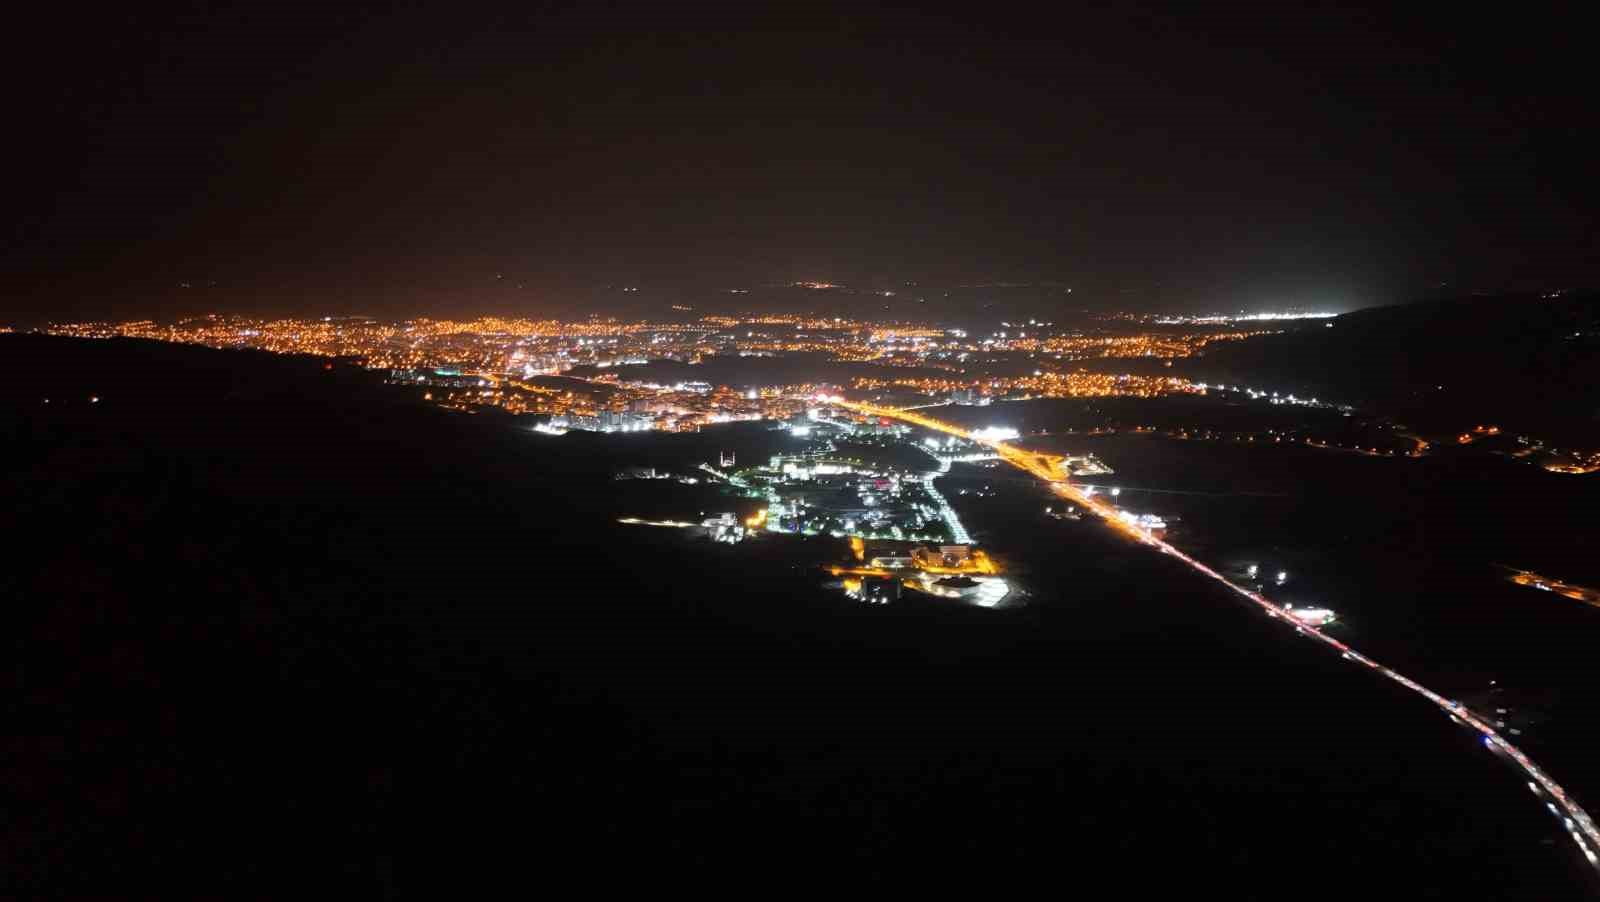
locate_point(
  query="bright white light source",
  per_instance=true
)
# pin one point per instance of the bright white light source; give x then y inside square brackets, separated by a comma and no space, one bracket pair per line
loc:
[995,434]
[1313,616]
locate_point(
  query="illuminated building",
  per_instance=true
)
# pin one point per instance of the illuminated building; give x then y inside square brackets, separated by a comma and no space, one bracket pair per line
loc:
[889,558]
[945,556]
[879,589]
[724,527]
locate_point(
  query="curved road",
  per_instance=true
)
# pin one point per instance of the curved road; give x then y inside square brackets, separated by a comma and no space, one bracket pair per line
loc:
[1047,468]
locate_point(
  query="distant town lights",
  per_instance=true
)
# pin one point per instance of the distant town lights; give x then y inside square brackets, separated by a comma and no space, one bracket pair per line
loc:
[1240,318]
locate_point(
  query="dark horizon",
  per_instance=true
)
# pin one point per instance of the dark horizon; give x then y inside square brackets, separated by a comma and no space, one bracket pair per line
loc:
[395,162]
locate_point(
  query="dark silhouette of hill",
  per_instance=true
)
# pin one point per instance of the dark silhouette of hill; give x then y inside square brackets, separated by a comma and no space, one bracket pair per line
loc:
[273,627]
[1524,362]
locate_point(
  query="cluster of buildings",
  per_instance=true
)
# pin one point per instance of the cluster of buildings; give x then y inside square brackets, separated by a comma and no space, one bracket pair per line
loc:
[603,421]
[979,391]
[960,572]
[528,366]
[822,493]
[901,532]
[500,361]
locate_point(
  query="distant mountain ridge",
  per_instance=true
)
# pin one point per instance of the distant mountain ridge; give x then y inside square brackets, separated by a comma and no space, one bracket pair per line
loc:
[1525,362]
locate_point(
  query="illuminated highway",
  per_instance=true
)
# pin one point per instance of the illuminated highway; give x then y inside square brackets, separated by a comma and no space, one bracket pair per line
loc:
[1566,590]
[958,533]
[1047,467]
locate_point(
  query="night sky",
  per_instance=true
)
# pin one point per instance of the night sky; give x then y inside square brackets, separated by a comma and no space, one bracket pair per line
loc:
[393,160]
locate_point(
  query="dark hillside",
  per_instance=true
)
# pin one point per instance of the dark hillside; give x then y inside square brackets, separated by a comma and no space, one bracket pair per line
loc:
[276,629]
[1524,362]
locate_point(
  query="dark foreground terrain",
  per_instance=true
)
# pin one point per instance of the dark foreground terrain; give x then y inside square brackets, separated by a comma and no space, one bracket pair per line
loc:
[277,629]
